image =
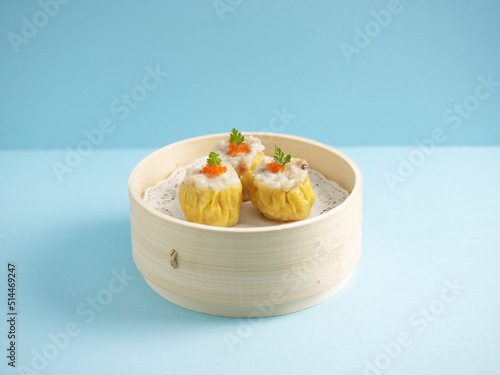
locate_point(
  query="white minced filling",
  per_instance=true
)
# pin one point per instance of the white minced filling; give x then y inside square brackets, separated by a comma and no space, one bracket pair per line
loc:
[241,159]
[201,180]
[293,175]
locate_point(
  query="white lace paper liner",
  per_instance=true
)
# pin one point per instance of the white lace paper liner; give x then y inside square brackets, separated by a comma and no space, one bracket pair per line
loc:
[163,197]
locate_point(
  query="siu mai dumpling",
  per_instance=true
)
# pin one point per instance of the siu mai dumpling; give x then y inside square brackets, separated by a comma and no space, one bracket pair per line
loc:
[212,195]
[244,153]
[281,188]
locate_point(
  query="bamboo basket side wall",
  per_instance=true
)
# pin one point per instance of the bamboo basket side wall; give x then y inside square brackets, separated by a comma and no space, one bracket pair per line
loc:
[231,271]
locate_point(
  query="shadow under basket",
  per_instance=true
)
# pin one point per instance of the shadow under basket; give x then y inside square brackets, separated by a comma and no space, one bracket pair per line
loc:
[247,272]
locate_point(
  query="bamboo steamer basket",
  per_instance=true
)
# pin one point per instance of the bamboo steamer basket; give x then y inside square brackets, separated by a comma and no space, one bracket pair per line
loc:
[247,272]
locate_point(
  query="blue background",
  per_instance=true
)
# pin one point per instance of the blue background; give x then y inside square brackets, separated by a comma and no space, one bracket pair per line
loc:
[233,72]
[438,224]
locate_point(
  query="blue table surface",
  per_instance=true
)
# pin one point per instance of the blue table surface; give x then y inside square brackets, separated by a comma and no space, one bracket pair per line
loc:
[423,299]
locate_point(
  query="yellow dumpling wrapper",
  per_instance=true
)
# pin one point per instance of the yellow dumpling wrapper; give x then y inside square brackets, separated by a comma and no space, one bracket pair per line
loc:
[220,208]
[246,176]
[279,205]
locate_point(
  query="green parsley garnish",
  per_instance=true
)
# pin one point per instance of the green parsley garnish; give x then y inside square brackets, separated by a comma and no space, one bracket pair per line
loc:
[236,138]
[280,158]
[213,159]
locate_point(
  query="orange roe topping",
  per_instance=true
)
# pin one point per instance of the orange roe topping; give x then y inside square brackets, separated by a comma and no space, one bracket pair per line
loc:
[213,171]
[275,168]
[237,149]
